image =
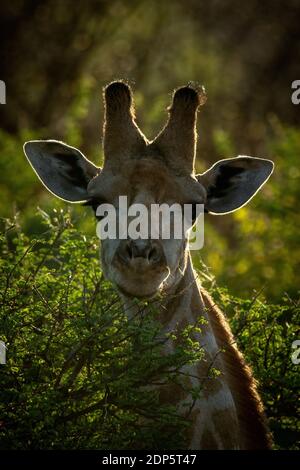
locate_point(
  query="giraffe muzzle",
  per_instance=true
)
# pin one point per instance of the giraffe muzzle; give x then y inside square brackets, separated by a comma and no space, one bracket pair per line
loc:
[140,254]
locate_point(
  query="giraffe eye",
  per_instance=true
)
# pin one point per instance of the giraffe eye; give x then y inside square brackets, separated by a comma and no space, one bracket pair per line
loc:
[94,203]
[195,209]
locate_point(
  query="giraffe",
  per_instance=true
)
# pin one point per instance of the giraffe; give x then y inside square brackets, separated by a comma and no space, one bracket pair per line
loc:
[229,413]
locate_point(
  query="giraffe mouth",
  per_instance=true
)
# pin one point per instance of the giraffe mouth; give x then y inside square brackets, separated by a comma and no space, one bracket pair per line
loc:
[136,294]
[142,285]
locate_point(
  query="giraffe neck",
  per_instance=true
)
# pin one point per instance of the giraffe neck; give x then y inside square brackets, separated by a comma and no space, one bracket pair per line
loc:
[214,412]
[229,412]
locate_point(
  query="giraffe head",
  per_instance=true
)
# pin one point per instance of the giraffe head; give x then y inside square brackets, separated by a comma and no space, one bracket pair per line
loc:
[156,172]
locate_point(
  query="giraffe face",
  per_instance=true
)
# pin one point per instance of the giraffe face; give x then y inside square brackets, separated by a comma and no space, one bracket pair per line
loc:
[145,266]
[157,172]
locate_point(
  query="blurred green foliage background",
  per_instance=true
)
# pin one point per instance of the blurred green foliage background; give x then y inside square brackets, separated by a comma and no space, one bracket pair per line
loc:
[56,56]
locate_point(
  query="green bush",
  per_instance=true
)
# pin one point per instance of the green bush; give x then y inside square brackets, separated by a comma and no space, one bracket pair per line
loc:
[78,370]
[265,333]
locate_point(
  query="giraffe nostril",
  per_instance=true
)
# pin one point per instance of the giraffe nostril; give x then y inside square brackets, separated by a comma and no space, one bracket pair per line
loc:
[129,251]
[153,254]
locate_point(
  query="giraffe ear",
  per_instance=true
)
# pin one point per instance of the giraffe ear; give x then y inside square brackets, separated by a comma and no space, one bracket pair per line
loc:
[231,183]
[64,170]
